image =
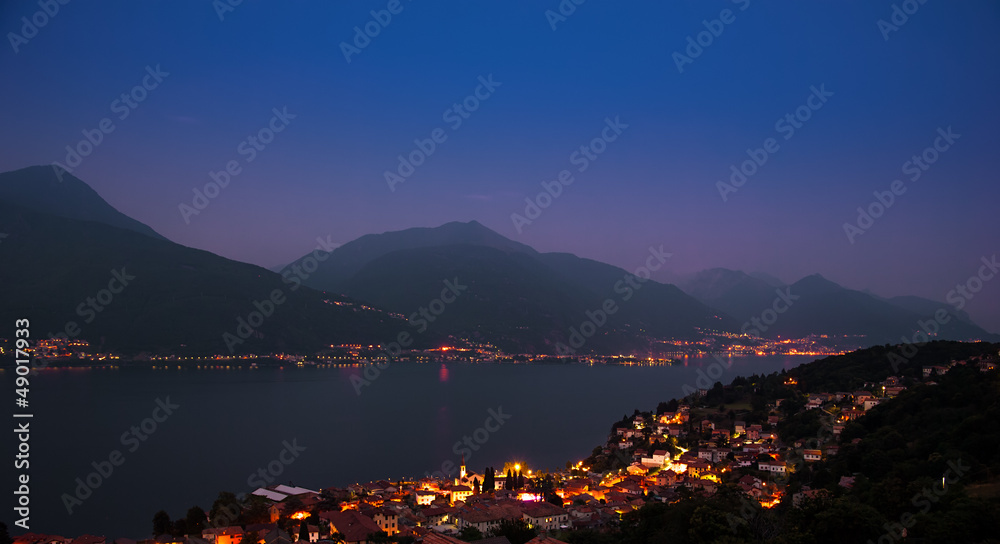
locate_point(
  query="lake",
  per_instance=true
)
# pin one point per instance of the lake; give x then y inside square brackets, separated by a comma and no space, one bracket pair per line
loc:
[198,432]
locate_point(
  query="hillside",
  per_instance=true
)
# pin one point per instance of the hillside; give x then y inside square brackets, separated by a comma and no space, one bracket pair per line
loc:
[824,307]
[180,299]
[518,298]
[924,461]
[41,189]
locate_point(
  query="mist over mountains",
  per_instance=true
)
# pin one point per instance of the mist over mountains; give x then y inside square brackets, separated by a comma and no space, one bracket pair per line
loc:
[369,289]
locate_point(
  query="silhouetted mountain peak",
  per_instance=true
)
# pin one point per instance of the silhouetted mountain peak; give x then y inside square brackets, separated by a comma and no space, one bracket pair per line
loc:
[712,283]
[816,283]
[473,232]
[348,259]
[42,189]
[767,278]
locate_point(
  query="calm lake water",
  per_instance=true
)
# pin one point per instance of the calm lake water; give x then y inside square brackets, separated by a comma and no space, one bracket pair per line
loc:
[231,423]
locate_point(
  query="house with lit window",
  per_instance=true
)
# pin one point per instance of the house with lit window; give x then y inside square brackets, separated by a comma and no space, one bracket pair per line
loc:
[871,403]
[387,520]
[425,497]
[545,516]
[739,427]
[459,493]
[777,467]
[485,518]
[354,526]
[223,535]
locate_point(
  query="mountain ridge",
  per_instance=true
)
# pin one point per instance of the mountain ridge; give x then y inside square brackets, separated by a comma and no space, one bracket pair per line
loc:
[821,306]
[123,290]
[384,268]
[526,300]
[42,189]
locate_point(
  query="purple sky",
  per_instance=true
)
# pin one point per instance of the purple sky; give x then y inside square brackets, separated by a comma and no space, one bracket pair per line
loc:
[654,184]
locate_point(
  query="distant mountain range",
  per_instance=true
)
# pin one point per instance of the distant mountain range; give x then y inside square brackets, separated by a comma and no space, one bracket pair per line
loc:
[179,299]
[518,298]
[64,242]
[823,307]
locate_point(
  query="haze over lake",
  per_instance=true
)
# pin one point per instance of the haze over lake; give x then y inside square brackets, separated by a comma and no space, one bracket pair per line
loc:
[231,423]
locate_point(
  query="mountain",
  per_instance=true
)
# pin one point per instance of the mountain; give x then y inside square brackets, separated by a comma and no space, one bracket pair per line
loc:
[519,298]
[458,279]
[351,257]
[767,278]
[926,306]
[820,306]
[731,291]
[123,289]
[508,299]
[658,308]
[41,189]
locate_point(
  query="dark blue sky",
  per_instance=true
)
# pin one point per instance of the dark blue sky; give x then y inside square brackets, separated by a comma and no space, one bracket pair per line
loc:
[655,184]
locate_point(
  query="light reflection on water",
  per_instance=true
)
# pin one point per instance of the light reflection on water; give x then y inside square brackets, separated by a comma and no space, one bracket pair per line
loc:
[232,422]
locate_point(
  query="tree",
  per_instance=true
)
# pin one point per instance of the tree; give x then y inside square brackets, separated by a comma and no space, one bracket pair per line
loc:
[161,523]
[470,534]
[304,531]
[475,486]
[293,504]
[256,509]
[180,528]
[251,537]
[4,535]
[489,484]
[663,407]
[509,483]
[195,519]
[517,530]
[225,510]
[792,406]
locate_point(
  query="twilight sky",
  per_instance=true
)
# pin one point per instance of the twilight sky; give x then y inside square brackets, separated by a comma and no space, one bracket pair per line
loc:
[656,183]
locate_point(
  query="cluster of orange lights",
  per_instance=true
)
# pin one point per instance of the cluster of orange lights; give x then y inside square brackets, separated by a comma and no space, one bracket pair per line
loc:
[771,503]
[678,418]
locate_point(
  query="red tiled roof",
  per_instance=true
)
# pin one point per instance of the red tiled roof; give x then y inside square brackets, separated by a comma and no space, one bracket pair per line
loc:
[353,525]
[437,538]
[38,538]
[542,509]
[88,539]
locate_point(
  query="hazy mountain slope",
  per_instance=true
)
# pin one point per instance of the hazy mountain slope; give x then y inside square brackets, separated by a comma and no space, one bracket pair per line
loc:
[925,306]
[38,188]
[822,307]
[660,309]
[731,291]
[348,259]
[507,298]
[827,308]
[178,297]
[523,299]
